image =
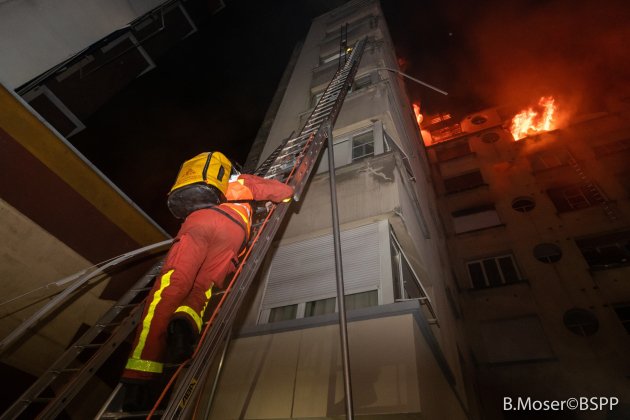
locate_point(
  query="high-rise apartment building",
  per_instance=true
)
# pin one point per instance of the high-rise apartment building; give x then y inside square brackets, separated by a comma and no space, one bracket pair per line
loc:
[538,232]
[408,358]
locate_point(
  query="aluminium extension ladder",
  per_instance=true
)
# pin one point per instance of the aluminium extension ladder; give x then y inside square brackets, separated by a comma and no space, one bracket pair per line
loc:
[292,162]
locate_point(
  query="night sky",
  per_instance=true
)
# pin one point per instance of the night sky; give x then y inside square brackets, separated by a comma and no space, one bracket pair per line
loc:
[212,90]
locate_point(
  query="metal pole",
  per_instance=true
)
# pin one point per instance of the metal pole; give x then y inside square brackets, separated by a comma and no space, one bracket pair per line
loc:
[414,79]
[343,325]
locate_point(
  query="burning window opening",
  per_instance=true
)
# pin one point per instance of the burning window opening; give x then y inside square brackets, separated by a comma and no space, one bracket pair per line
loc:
[416,111]
[532,121]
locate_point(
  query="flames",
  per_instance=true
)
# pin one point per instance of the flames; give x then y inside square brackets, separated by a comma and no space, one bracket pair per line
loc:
[532,121]
[416,111]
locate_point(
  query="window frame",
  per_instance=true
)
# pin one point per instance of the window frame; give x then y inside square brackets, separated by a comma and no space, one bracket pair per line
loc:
[549,159]
[456,149]
[362,145]
[451,189]
[399,262]
[497,264]
[591,249]
[564,202]
[460,214]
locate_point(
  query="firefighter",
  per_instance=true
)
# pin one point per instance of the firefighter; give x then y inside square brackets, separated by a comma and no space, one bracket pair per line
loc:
[204,253]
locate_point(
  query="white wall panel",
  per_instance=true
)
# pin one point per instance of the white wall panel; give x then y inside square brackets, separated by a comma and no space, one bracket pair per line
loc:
[36,35]
[305,271]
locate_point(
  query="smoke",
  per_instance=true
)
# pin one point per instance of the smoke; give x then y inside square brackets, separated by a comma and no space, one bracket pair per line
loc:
[516,52]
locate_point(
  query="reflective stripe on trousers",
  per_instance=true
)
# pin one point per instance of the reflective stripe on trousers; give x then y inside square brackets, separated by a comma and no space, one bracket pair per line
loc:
[135,362]
[196,317]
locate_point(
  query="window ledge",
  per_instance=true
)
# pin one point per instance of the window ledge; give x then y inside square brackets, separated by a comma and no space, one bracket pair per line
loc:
[499,286]
[594,206]
[502,225]
[546,170]
[450,193]
[469,154]
[605,267]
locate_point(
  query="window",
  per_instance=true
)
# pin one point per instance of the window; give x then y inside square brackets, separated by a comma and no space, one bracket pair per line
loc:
[547,253]
[493,271]
[283,313]
[353,301]
[606,251]
[581,322]
[361,82]
[575,197]
[363,146]
[329,58]
[446,133]
[549,159]
[301,278]
[320,307]
[463,182]
[361,300]
[407,284]
[622,310]
[451,152]
[611,148]
[475,218]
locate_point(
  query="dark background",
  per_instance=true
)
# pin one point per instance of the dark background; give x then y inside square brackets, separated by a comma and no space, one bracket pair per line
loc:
[212,90]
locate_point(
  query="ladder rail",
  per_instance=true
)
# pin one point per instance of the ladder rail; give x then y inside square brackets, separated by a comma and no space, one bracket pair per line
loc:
[592,188]
[62,297]
[304,163]
[83,374]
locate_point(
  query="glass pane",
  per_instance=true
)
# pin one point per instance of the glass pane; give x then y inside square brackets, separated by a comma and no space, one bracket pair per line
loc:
[410,283]
[463,182]
[363,145]
[361,300]
[283,313]
[396,274]
[320,307]
[507,268]
[476,275]
[492,272]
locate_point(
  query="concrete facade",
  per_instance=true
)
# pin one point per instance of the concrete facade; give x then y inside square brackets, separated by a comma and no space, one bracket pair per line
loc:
[538,236]
[408,355]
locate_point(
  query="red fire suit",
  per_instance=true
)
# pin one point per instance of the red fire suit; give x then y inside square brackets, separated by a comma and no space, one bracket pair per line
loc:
[205,251]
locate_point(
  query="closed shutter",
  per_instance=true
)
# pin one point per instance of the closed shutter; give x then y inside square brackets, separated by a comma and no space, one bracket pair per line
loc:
[305,271]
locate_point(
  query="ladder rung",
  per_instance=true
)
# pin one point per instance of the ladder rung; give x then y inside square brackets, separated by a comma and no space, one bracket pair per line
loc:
[141,289]
[58,372]
[88,346]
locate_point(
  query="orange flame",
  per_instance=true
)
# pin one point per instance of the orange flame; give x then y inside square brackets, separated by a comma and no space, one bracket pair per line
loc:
[416,110]
[529,121]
